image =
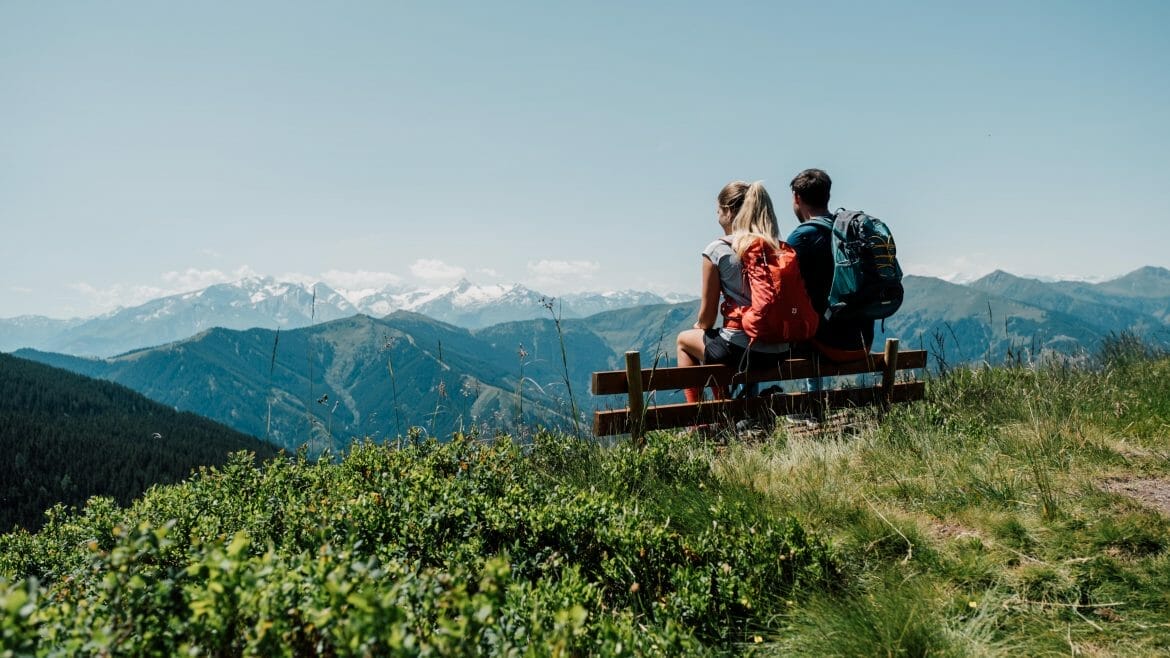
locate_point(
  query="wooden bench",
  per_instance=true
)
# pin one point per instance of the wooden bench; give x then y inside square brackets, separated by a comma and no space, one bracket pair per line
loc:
[636,419]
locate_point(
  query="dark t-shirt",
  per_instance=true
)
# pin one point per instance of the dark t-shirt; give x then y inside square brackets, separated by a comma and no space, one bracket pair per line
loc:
[814,252]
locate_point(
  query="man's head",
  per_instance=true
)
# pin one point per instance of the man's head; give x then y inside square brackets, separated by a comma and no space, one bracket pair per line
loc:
[810,193]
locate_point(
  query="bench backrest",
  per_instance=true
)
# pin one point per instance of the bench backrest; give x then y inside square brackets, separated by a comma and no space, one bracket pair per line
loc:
[634,381]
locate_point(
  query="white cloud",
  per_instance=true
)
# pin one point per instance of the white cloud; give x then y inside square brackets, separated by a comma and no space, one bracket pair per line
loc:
[305,280]
[562,276]
[433,270]
[360,279]
[557,269]
[962,269]
[488,272]
[193,279]
[174,282]
[20,289]
[118,295]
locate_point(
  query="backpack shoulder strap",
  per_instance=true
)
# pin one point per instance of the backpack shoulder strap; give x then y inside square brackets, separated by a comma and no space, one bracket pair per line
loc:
[824,222]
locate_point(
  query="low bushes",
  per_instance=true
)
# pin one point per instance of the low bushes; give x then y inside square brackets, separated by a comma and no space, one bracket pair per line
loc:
[435,549]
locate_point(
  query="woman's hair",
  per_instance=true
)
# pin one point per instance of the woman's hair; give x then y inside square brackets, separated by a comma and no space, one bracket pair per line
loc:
[731,196]
[754,219]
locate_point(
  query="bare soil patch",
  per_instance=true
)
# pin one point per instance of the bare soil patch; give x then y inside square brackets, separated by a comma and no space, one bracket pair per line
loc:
[1151,492]
[949,530]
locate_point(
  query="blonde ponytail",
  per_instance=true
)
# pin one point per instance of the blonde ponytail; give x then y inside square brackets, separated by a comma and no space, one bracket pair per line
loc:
[756,219]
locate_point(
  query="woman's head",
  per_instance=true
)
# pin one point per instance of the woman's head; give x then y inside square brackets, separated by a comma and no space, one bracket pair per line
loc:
[730,201]
[754,218]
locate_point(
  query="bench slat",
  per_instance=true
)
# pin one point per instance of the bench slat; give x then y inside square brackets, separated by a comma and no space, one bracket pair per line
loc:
[606,423]
[613,382]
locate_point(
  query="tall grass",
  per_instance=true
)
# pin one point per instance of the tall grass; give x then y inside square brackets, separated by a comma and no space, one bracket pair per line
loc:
[388,345]
[980,521]
[549,305]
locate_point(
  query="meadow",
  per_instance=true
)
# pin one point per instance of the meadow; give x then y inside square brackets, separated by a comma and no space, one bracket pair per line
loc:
[1019,510]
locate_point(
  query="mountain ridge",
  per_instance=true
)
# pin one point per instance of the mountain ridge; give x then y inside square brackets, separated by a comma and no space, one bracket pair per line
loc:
[267,302]
[442,377]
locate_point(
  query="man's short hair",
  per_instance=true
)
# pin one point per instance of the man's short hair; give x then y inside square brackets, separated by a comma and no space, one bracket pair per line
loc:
[812,186]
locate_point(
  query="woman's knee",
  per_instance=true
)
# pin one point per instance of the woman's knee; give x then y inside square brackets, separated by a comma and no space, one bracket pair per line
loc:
[691,342]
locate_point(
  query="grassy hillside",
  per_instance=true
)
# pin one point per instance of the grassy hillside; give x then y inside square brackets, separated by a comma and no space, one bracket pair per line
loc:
[1137,303]
[1014,512]
[65,437]
[355,377]
[965,324]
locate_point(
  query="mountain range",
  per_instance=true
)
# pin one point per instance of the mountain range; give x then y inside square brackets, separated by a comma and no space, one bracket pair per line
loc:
[265,302]
[1001,316]
[357,376]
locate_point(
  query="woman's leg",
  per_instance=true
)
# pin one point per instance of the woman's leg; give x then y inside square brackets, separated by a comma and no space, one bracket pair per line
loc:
[690,353]
[690,348]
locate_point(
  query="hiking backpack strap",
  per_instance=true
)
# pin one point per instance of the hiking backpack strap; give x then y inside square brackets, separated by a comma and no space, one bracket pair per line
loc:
[822,221]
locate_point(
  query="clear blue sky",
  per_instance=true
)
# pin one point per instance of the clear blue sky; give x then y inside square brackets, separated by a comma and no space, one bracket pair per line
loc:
[148,147]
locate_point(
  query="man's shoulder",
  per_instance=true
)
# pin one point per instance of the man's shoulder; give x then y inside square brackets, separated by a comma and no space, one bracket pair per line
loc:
[807,232]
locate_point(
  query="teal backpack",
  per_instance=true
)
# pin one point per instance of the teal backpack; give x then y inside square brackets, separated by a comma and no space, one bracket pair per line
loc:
[867,280]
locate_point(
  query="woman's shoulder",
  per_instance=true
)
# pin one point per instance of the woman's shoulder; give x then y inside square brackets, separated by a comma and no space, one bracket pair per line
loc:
[718,248]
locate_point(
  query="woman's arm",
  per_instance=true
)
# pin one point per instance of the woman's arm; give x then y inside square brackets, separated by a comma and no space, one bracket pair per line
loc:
[709,297]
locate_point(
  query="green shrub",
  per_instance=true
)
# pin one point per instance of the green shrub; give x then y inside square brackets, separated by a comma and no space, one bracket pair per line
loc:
[454,548]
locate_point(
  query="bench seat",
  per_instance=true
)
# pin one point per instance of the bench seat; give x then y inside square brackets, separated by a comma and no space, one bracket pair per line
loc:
[636,418]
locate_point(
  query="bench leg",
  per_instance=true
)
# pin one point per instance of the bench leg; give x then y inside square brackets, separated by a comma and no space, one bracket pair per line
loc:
[637,410]
[890,372]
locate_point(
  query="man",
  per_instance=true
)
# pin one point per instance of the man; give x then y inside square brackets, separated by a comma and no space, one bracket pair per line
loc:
[838,340]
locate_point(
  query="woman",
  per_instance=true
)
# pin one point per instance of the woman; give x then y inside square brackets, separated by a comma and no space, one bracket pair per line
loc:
[745,214]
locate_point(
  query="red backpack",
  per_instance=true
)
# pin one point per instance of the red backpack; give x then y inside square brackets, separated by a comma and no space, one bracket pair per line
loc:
[780,311]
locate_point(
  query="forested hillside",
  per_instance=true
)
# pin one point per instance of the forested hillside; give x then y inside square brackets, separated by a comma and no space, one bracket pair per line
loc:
[333,383]
[65,437]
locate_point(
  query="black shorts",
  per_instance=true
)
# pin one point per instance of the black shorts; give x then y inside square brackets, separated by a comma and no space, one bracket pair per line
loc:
[717,349]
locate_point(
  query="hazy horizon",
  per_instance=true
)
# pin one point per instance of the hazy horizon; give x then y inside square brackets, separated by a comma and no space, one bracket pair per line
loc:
[353,295]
